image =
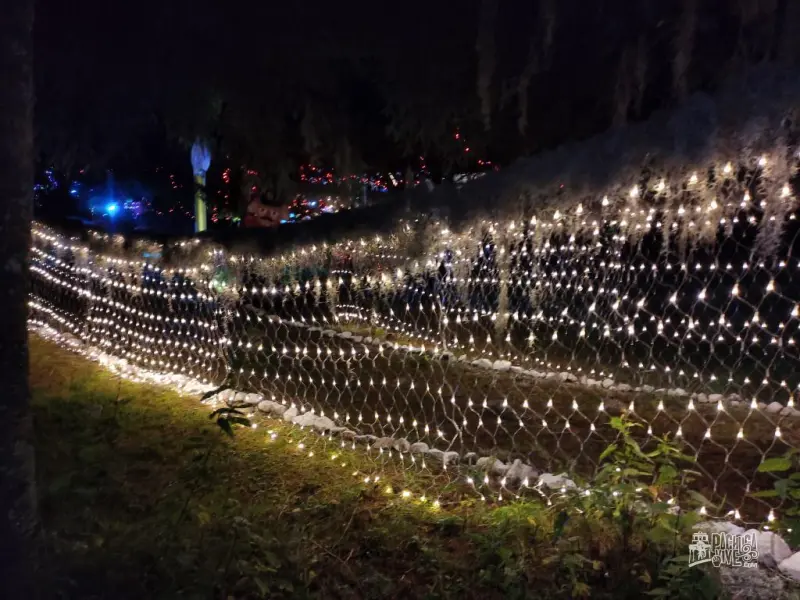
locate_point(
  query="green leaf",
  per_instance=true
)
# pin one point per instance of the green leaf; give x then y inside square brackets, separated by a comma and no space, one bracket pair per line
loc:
[609,449]
[765,494]
[700,499]
[636,472]
[782,487]
[776,464]
[210,393]
[225,425]
[666,474]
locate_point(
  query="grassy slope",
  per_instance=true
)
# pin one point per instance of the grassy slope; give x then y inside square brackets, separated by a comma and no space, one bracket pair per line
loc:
[135,507]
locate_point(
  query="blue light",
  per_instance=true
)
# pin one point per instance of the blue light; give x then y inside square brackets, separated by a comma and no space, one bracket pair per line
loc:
[111,208]
[73,192]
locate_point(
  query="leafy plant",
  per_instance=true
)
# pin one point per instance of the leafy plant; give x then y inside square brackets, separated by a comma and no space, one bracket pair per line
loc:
[226,417]
[786,488]
[631,519]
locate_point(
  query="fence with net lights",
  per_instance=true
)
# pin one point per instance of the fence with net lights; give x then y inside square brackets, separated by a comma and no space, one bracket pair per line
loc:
[672,298]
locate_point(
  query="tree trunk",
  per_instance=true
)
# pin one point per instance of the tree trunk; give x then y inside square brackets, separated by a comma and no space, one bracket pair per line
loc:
[19,524]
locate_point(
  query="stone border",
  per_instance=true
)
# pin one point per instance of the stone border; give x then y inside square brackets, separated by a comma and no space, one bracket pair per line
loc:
[607,384]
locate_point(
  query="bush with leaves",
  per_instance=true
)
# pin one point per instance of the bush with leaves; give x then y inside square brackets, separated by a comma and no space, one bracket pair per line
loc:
[787,489]
[637,536]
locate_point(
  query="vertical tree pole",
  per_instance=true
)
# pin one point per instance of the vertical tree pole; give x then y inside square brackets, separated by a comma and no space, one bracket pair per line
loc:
[19,524]
[201,160]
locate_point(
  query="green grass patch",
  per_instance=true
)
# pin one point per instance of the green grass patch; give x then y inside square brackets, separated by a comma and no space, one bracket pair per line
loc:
[143,496]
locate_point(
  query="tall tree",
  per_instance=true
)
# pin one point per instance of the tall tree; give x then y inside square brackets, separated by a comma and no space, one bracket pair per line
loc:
[19,525]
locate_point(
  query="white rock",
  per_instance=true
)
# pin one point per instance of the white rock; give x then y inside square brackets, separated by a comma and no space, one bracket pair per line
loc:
[648,389]
[703,399]
[556,481]
[401,445]
[551,375]
[791,566]
[329,333]
[677,392]
[501,365]
[516,369]
[567,377]
[772,550]
[720,527]
[607,383]
[623,387]
[715,398]
[444,457]
[482,362]
[435,454]
[271,408]
[519,472]
[384,442]
[304,420]
[774,407]
[492,465]
[419,448]
[450,458]
[239,399]
[536,374]
[367,340]
[592,382]
[314,329]
[326,424]
[309,419]
[785,411]
[345,334]
[289,414]
[470,458]
[356,339]
[253,399]
[225,396]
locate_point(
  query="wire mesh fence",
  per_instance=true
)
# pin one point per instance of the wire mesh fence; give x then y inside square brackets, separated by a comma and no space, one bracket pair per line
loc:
[674,302]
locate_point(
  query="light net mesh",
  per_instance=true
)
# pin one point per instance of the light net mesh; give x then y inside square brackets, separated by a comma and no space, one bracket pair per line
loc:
[674,301]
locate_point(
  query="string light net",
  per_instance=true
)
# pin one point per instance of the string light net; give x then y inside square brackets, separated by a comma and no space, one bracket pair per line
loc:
[672,298]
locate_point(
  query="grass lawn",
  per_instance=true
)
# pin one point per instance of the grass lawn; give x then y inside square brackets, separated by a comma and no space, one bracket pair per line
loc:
[143,496]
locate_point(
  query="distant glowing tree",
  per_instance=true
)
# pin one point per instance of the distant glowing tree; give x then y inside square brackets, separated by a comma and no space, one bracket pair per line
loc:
[201,160]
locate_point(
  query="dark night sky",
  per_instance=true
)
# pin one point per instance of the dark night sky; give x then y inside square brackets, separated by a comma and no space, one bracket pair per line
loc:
[112,75]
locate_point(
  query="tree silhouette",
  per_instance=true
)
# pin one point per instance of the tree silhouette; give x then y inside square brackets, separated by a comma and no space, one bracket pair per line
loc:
[19,525]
